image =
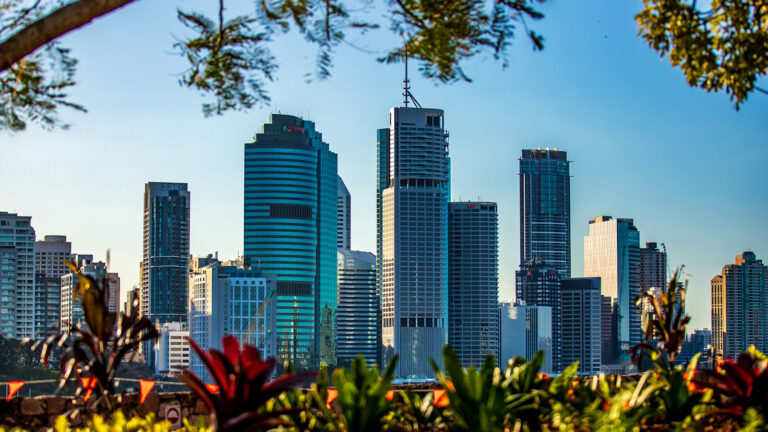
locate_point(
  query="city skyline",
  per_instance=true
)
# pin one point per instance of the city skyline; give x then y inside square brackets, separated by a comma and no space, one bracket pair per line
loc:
[662,150]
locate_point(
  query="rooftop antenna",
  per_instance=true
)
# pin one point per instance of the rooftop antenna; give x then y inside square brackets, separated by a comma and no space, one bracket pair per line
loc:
[406,87]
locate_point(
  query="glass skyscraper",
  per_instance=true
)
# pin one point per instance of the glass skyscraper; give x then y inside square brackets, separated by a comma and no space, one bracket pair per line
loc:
[358,311]
[413,186]
[612,253]
[545,209]
[473,280]
[537,284]
[290,231]
[164,284]
[17,276]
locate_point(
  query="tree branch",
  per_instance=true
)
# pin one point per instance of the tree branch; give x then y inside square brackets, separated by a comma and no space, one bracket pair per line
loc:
[54,25]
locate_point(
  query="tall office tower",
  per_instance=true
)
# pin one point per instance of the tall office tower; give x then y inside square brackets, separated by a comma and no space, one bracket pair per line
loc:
[473,280]
[17,284]
[538,284]
[132,293]
[358,312]
[226,300]
[412,238]
[545,209]
[72,310]
[718,314]
[524,331]
[580,320]
[653,267]
[343,216]
[113,296]
[166,252]
[743,306]
[50,254]
[612,253]
[290,231]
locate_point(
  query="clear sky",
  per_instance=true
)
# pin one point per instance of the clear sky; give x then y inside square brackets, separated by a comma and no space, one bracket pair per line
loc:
[682,162]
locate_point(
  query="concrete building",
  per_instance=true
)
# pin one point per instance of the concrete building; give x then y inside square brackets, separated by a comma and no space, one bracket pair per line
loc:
[700,341]
[358,311]
[17,284]
[473,280]
[343,216]
[413,186]
[166,251]
[545,209]
[653,267]
[740,306]
[538,284]
[525,330]
[171,352]
[225,300]
[50,255]
[612,253]
[581,324]
[290,231]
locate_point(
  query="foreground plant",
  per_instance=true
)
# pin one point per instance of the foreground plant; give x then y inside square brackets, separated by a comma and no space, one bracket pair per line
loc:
[95,350]
[244,387]
[741,387]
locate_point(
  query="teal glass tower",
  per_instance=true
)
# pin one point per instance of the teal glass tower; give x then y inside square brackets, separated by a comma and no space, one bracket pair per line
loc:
[290,231]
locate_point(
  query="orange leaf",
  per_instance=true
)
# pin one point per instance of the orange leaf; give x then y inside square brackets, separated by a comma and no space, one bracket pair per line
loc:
[332,395]
[439,398]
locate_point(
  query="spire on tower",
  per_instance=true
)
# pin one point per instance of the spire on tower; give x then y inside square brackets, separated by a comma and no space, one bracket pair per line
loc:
[406,85]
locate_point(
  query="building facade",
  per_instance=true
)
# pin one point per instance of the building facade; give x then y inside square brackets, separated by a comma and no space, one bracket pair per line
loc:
[580,316]
[166,252]
[290,231]
[226,300]
[171,352]
[653,267]
[612,253]
[473,280]
[740,306]
[343,216]
[538,284]
[413,186]
[545,209]
[358,310]
[17,280]
[525,330]
[50,255]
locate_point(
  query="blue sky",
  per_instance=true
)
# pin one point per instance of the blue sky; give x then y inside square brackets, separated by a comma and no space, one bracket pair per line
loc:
[682,162]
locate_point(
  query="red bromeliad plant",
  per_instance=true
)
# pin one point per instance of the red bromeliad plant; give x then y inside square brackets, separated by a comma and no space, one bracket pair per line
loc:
[742,384]
[244,387]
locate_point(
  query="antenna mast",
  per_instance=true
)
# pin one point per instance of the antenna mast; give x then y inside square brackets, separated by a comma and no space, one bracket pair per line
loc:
[406,87]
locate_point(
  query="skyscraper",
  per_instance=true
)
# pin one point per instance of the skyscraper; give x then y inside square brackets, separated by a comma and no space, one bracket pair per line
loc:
[653,267]
[612,253]
[290,231]
[50,254]
[413,186]
[358,311]
[740,306]
[473,280]
[545,209]
[538,284]
[580,321]
[17,284]
[343,216]
[165,264]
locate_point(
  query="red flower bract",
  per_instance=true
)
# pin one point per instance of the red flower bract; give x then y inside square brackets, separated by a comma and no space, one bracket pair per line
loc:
[244,385]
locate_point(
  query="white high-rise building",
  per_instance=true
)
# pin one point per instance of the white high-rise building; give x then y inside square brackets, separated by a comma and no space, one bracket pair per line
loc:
[226,300]
[172,348]
[50,255]
[413,186]
[358,309]
[17,284]
[612,253]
